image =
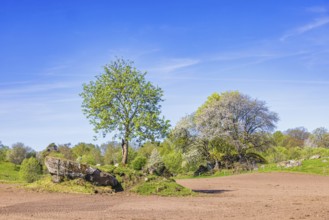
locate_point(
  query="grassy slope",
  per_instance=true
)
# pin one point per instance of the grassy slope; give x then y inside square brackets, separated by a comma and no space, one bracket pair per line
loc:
[9,173]
[162,187]
[317,166]
[70,186]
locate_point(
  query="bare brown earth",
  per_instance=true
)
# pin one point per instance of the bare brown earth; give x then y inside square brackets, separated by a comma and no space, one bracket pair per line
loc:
[249,196]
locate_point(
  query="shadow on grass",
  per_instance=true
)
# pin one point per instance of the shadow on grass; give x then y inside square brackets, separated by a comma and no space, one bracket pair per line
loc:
[211,191]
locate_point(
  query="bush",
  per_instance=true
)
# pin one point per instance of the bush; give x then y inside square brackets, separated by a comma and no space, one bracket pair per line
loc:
[276,154]
[17,153]
[173,161]
[308,152]
[30,170]
[3,152]
[139,162]
[155,163]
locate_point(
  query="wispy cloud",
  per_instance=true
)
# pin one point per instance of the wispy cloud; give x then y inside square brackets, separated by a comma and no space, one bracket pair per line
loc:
[14,83]
[174,64]
[252,57]
[37,88]
[240,56]
[54,70]
[317,9]
[304,82]
[306,28]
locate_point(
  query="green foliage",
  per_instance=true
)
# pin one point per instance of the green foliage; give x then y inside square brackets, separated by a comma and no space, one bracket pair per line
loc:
[126,176]
[30,170]
[69,186]
[87,153]
[112,153]
[146,149]
[87,159]
[55,154]
[139,162]
[278,138]
[173,162]
[172,157]
[317,166]
[66,151]
[9,172]
[121,100]
[308,152]
[213,98]
[254,157]
[82,149]
[3,152]
[162,187]
[278,154]
[155,162]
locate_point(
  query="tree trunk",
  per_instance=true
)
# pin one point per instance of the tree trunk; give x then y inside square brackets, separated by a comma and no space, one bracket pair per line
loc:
[216,165]
[124,146]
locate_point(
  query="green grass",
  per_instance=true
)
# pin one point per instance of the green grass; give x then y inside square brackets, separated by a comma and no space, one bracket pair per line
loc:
[9,173]
[317,166]
[162,187]
[69,186]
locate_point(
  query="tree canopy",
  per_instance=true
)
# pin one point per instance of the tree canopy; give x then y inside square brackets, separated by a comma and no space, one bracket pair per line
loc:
[238,119]
[227,124]
[122,101]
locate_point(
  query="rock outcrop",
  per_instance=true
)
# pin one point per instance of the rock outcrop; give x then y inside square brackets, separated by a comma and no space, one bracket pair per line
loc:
[290,163]
[316,156]
[60,168]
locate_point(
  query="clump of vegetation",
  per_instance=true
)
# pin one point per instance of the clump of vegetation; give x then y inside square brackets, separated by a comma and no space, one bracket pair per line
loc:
[126,176]
[9,172]
[30,170]
[68,186]
[278,154]
[316,166]
[19,152]
[139,162]
[162,187]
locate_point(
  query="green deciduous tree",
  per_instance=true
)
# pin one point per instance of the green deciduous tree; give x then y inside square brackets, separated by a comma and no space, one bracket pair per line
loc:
[120,100]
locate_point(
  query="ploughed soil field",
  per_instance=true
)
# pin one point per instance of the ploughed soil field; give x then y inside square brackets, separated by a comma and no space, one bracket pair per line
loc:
[248,196]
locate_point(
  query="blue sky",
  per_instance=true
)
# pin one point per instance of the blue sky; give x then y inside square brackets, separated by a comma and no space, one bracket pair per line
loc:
[276,51]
